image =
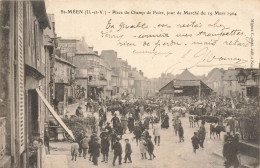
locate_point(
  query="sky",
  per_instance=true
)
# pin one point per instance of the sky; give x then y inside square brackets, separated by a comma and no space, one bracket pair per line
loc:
[98,31]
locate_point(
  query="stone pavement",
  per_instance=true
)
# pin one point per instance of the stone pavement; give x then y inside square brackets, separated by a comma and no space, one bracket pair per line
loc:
[169,154]
[56,161]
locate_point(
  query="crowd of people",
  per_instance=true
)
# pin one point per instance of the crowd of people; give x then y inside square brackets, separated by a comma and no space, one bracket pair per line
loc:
[139,116]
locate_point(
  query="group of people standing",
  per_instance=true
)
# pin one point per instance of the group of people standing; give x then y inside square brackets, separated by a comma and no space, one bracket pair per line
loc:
[95,147]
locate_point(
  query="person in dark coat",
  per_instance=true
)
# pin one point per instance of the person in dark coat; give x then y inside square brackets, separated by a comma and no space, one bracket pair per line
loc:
[128,151]
[105,148]
[137,133]
[115,120]
[150,147]
[202,134]
[109,128]
[95,151]
[100,124]
[131,124]
[90,144]
[117,151]
[230,152]
[120,129]
[165,123]
[113,137]
[195,142]
[181,133]
[104,133]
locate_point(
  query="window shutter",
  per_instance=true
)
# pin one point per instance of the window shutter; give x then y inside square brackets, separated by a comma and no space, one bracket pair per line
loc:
[20,75]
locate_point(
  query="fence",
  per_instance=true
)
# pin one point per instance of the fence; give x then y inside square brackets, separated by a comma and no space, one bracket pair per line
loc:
[2,137]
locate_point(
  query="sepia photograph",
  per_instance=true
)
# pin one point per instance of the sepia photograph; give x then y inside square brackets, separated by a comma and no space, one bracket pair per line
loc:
[129,83]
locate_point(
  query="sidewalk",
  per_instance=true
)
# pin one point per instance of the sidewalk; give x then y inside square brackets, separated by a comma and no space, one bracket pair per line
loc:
[56,161]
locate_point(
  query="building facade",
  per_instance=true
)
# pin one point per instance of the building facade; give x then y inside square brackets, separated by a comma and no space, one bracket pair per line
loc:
[25,60]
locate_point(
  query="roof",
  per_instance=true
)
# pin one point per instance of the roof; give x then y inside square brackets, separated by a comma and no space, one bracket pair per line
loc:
[215,75]
[64,61]
[167,87]
[83,48]
[40,12]
[186,75]
[105,64]
[49,31]
[110,56]
[185,79]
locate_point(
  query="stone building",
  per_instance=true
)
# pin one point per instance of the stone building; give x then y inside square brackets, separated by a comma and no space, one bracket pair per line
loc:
[24,63]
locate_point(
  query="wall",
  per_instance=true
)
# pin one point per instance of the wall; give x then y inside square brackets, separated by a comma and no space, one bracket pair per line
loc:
[61,72]
[6,87]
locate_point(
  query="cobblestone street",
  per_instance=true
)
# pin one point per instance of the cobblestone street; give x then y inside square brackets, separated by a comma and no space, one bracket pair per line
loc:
[169,151]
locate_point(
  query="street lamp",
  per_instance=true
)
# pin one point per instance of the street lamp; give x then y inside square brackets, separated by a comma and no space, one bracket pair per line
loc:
[241,77]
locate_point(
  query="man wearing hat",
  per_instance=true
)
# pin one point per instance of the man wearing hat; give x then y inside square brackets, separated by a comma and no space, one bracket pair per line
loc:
[230,152]
[109,128]
[176,124]
[84,145]
[128,151]
[104,133]
[131,122]
[117,151]
[105,148]
[95,151]
[115,120]
[79,112]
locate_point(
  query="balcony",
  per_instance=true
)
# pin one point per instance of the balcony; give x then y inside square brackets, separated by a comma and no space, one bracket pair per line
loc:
[2,137]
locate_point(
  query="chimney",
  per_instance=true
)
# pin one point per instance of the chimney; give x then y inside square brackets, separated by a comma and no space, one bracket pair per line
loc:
[141,72]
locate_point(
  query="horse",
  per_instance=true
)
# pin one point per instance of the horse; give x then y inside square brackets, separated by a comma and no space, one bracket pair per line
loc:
[216,130]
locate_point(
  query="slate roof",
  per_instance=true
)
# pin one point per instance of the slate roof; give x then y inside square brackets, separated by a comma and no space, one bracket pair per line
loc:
[186,75]
[64,61]
[215,75]
[230,75]
[83,48]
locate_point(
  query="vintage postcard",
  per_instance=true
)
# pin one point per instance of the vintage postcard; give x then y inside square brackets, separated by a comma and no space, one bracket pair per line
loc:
[131,83]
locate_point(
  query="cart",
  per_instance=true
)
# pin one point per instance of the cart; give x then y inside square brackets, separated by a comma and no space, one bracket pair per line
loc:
[77,125]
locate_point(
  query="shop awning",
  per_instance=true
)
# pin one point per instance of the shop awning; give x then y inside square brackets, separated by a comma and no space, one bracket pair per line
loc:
[55,115]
